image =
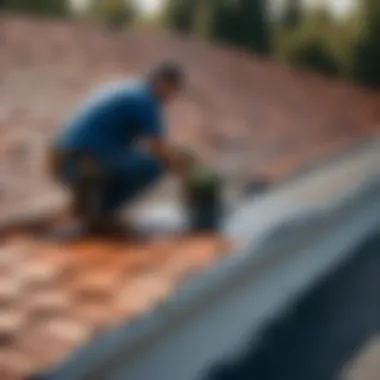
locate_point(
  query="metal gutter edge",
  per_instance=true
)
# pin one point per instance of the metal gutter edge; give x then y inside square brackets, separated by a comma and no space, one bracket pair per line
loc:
[209,316]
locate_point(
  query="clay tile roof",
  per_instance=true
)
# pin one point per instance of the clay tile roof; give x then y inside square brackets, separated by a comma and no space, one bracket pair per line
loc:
[245,115]
[54,296]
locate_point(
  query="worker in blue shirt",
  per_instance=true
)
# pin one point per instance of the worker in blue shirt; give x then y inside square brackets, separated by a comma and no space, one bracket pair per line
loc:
[115,146]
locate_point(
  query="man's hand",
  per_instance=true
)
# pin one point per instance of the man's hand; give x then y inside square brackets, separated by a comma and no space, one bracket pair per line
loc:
[53,162]
[176,160]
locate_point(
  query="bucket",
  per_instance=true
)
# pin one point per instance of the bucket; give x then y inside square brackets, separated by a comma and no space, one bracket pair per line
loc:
[203,201]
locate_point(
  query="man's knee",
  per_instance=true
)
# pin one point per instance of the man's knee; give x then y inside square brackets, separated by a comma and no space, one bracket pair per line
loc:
[154,164]
[149,168]
[137,168]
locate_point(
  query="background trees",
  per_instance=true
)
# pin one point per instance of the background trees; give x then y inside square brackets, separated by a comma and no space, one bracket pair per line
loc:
[114,13]
[49,7]
[314,39]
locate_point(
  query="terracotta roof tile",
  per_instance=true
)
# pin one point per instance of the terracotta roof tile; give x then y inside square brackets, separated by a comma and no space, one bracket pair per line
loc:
[14,365]
[59,295]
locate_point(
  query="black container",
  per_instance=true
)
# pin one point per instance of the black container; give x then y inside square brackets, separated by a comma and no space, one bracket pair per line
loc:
[204,203]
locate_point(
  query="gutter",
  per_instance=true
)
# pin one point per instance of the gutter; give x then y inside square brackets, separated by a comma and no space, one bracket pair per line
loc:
[293,237]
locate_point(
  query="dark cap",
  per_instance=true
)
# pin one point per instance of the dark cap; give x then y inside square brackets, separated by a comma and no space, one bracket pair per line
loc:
[169,71]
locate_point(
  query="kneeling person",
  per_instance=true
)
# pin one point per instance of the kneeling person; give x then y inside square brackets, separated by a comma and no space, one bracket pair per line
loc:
[115,146]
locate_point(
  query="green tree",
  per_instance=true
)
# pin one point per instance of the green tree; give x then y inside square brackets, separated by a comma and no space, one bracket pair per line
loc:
[204,18]
[313,53]
[180,15]
[114,13]
[243,23]
[366,48]
[49,7]
[292,15]
[312,44]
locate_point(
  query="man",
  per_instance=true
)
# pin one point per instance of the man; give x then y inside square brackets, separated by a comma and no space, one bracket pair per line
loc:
[115,146]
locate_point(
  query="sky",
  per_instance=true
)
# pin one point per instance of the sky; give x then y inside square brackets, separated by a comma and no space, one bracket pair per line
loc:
[152,6]
[149,6]
[338,6]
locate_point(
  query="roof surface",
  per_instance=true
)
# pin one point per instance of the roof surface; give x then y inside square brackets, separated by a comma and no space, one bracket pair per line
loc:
[55,296]
[247,116]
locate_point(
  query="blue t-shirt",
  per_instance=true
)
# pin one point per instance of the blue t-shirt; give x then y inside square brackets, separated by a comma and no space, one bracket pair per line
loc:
[114,118]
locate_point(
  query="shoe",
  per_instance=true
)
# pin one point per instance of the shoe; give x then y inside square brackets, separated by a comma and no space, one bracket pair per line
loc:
[107,225]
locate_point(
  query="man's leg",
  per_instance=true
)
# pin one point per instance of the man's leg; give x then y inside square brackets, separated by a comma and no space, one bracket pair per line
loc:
[131,173]
[82,176]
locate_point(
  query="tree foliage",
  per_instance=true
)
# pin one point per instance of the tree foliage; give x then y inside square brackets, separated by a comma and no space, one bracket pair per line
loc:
[114,13]
[49,7]
[242,23]
[366,47]
[292,15]
[204,18]
[314,54]
[310,45]
[180,15]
